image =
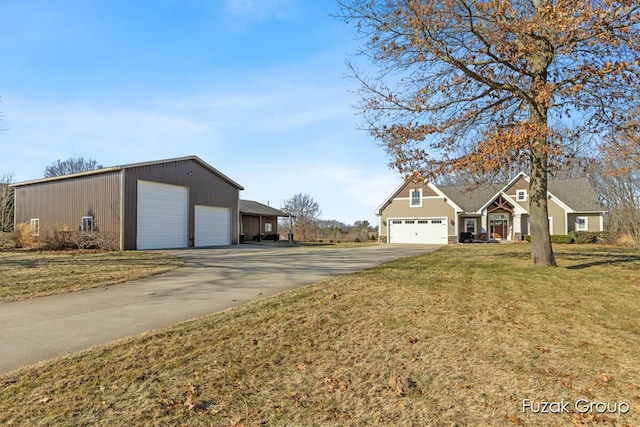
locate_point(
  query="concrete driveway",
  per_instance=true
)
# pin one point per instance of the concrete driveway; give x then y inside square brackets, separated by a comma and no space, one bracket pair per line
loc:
[212,280]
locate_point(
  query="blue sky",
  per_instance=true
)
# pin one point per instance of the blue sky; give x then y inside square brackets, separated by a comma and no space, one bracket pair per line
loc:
[256,88]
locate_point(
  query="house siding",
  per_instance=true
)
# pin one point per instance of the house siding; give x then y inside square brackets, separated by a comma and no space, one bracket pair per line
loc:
[61,204]
[431,207]
[405,192]
[559,217]
[205,188]
[593,221]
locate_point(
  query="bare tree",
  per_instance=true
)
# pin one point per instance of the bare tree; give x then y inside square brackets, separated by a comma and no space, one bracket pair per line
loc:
[618,180]
[306,212]
[69,166]
[495,84]
[6,203]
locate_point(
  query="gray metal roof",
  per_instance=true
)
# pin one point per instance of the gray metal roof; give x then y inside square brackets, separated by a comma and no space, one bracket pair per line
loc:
[133,165]
[255,208]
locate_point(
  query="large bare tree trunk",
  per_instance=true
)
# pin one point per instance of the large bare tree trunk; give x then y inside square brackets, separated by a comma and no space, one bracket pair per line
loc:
[541,250]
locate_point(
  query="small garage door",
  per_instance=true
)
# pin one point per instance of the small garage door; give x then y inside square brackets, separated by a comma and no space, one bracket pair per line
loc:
[162,216]
[420,230]
[212,226]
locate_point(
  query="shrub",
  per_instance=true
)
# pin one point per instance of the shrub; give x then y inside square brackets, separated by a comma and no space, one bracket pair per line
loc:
[61,240]
[23,237]
[7,241]
[561,238]
[555,238]
[586,236]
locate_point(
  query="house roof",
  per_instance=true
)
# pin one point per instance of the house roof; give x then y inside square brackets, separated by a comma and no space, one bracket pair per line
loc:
[578,194]
[471,199]
[133,165]
[255,208]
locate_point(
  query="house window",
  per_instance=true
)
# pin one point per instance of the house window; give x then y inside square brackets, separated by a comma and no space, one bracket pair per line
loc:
[87,224]
[470,225]
[268,227]
[581,223]
[416,198]
[436,221]
[396,222]
[521,195]
[409,222]
[35,226]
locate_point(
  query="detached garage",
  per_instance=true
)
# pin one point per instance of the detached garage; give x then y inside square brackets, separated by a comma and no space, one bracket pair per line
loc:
[418,230]
[174,203]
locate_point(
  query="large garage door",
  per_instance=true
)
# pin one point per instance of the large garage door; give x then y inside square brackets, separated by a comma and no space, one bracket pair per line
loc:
[421,230]
[162,216]
[212,226]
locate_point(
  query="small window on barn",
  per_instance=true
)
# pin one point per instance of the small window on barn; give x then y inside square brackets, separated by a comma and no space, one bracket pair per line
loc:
[268,227]
[409,221]
[35,226]
[87,224]
[396,221]
[416,198]
[521,195]
[436,221]
[581,223]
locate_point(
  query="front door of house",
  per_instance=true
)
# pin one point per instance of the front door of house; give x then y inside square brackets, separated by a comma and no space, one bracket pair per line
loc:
[498,226]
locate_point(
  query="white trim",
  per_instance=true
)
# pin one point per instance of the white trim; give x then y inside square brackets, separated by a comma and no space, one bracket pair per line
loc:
[387,201]
[446,198]
[517,209]
[601,222]
[585,225]
[90,223]
[475,224]
[37,226]
[411,198]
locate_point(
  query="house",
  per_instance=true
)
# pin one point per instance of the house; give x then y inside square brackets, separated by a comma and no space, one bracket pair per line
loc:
[258,222]
[432,214]
[174,203]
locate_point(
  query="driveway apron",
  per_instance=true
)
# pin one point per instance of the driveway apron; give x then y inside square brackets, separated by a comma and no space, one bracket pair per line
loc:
[211,280]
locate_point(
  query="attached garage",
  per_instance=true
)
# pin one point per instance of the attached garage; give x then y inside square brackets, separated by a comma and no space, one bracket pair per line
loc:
[162,215]
[418,230]
[212,226]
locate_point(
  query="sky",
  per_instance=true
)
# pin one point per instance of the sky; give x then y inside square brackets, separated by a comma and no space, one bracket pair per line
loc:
[256,88]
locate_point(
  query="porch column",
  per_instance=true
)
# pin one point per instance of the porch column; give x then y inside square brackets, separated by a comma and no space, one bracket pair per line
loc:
[517,227]
[484,225]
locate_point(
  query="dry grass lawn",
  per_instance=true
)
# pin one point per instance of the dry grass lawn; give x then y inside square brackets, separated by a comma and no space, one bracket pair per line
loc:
[30,274]
[459,337]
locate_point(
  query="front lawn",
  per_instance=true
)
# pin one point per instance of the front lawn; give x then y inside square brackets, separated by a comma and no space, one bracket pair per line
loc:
[464,336]
[30,274]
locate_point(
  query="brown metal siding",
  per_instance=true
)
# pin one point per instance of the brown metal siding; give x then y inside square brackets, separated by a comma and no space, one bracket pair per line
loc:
[205,188]
[60,205]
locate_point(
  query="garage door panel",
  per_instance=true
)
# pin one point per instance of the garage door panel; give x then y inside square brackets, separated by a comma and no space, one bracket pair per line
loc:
[418,230]
[212,226]
[162,216]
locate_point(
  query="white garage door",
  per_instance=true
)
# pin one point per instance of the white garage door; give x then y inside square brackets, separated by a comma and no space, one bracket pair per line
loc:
[162,216]
[212,226]
[421,230]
